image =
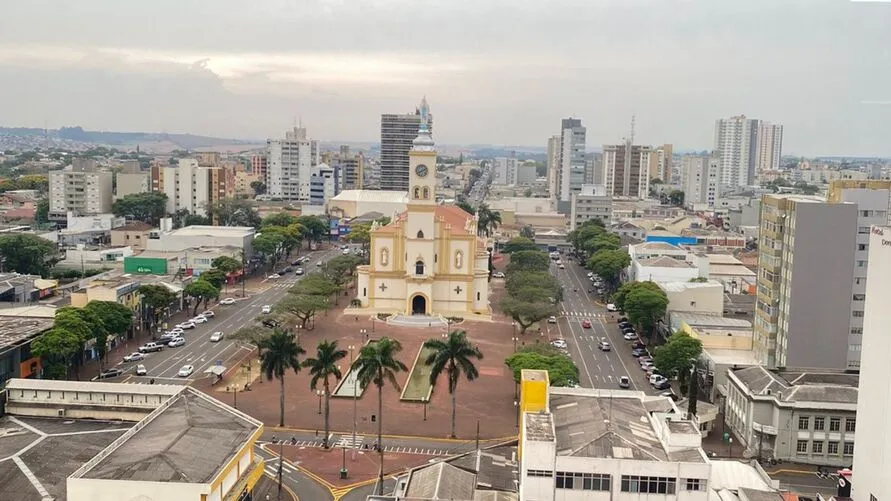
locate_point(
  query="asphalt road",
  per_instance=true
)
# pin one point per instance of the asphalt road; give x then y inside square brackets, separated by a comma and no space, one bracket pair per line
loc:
[199,351]
[302,485]
[597,369]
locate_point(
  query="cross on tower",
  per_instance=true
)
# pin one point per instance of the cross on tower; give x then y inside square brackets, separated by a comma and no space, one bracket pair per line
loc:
[383,287]
[458,289]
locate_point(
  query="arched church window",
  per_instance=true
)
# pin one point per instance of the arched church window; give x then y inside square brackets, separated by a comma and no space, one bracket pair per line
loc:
[420,233]
[385,256]
[426,193]
[419,267]
[459,259]
[417,192]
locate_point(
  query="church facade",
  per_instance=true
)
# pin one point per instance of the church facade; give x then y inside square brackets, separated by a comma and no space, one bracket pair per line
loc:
[429,259]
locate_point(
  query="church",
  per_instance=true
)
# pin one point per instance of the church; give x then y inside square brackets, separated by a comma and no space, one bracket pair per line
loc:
[429,259]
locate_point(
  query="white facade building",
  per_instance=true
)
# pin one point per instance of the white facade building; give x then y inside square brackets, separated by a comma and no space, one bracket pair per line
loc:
[504,171]
[289,163]
[240,237]
[700,179]
[554,167]
[736,141]
[572,163]
[591,202]
[770,147]
[81,189]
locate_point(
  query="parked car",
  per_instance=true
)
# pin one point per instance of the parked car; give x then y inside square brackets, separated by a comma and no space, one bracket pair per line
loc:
[646,366]
[216,337]
[586,324]
[208,314]
[200,319]
[558,343]
[140,370]
[624,324]
[274,276]
[638,345]
[186,325]
[319,263]
[604,345]
[227,301]
[498,274]
[109,373]
[629,336]
[270,323]
[590,274]
[665,385]
[611,307]
[552,319]
[297,262]
[561,266]
[177,341]
[298,271]
[638,352]
[657,379]
[133,357]
[185,371]
[266,309]
[623,319]
[624,382]
[151,347]
[176,331]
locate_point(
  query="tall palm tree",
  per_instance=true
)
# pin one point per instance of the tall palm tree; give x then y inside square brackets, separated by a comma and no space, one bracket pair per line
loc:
[278,353]
[321,368]
[454,356]
[377,364]
[488,220]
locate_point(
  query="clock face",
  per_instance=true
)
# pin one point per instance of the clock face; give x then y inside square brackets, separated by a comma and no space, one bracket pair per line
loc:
[421,170]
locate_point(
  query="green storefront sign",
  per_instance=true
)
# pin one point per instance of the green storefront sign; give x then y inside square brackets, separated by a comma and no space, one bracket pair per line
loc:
[145,265]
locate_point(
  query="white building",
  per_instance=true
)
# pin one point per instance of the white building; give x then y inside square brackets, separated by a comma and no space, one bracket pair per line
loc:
[526,173]
[591,202]
[289,164]
[354,203]
[187,185]
[131,179]
[873,408]
[554,167]
[572,164]
[626,170]
[736,144]
[80,188]
[504,171]
[204,236]
[700,179]
[770,147]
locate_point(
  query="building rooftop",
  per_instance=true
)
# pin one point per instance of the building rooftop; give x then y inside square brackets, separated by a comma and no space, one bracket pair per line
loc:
[16,330]
[716,259]
[213,231]
[684,286]
[32,311]
[664,262]
[539,426]
[815,387]
[709,322]
[190,439]
[734,270]
[371,196]
[134,226]
[489,474]
[656,246]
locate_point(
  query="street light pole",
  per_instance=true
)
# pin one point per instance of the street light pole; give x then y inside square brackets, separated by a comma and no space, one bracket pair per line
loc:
[281,459]
[355,384]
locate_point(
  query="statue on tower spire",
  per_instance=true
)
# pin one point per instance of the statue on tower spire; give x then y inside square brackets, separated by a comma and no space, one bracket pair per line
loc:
[424,141]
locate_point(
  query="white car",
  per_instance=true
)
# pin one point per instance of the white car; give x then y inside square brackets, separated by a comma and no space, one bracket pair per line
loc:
[558,343]
[185,371]
[590,274]
[177,341]
[629,336]
[266,309]
[552,319]
[611,307]
[345,252]
[200,319]
[274,276]
[228,301]
[208,314]
[216,337]
[133,357]
[320,263]
[186,325]
[298,271]
[657,379]
[141,370]
[176,331]
[561,266]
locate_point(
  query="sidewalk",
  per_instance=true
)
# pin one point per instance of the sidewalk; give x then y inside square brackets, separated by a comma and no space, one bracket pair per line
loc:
[267,488]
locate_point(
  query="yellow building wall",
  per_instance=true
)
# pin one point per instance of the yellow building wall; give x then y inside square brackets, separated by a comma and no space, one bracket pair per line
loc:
[533,397]
[717,341]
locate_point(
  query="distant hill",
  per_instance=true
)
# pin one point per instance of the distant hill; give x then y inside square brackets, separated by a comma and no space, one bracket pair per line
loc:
[183,141]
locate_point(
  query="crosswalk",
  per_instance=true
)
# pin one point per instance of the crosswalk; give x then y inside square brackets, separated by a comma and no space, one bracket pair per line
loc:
[272,465]
[281,285]
[585,314]
[346,441]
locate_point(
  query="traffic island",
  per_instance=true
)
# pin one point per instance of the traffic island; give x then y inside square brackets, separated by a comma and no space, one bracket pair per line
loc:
[418,387]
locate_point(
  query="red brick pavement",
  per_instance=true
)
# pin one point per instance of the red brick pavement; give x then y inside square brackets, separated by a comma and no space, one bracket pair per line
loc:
[362,466]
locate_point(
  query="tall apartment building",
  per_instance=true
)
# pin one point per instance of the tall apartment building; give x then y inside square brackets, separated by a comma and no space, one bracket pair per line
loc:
[874,403]
[526,172]
[504,171]
[660,163]
[872,199]
[397,134]
[131,179]
[700,179]
[770,147]
[804,282]
[626,169]
[554,167]
[258,165]
[592,202]
[289,163]
[351,167]
[324,184]
[571,160]
[80,188]
[208,158]
[192,188]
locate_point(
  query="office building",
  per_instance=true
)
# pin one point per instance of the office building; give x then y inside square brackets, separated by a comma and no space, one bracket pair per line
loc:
[289,165]
[770,147]
[554,167]
[592,202]
[192,188]
[797,312]
[80,188]
[571,158]
[131,179]
[626,169]
[871,460]
[700,179]
[526,172]
[660,163]
[324,184]
[397,134]
[736,141]
[504,171]
[872,199]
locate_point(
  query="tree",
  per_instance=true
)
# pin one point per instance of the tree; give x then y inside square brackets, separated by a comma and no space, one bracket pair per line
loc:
[315,284]
[149,207]
[192,219]
[259,187]
[609,265]
[454,356]
[37,182]
[488,220]
[519,282]
[41,214]
[518,244]
[530,260]
[526,313]
[278,354]
[314,228]
[157,298]
[618,298]
[234,212]
[645,306]
[676,198]
[201,290]
[270,244]
[291,236]
[278,219]
[527,232]
[377,364]
[27,254]
[78,321]
[677,356]
[561,370]
[56,347]
[692,396]
[112,318]
[226,264]
[591,237]
[466,207]
[215,276]
[303,306]
[251,334]
[339,269]
[321,368]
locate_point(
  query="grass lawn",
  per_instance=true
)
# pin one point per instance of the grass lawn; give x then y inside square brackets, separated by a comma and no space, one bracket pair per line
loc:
[417,389]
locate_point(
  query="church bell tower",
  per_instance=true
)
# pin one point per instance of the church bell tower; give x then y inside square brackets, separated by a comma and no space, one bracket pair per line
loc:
[422,163]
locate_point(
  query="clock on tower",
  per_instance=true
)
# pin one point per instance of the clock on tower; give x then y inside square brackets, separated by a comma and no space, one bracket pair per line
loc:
[422,162]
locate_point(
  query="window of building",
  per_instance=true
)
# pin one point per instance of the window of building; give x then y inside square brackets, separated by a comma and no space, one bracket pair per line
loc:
[565,480]
[426,193]
[866,213]
[849,449]
[420,233]
[648,485]
[417,193]
[364,292]
[856,330]
[850,424]
[832,448]
[477,296]
[817,447]
[419,267]
[801,447]
[863,230]
[819,423]
[804,422]
[539,473]
[859,297]
[861,247]
[857,313]
[834,422]
[861,263]
[694,484]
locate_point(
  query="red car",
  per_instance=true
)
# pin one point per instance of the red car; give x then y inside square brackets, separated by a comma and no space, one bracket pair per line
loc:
[586,324]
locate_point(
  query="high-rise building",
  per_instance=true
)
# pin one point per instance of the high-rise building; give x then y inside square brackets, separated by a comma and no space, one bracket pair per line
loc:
[736,142]
[504,171]
[571,159]
[770,147]
[81,188]
[700,179]
[193,188]
[554,167]
[290,162]
[131,179]
[397,134]
[592,202]
[660,163]
[626,169]
[526,172]
[258,165]
[872,199]
[351,167]
[874,400]
[324,183]
[804,282]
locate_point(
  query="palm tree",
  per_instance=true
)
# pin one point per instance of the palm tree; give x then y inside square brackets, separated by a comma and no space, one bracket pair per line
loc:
[377,364]
[321,367]
[488,220]
[453,356]
[278,353]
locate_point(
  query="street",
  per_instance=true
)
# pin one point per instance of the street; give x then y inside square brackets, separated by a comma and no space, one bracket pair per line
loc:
[597,369]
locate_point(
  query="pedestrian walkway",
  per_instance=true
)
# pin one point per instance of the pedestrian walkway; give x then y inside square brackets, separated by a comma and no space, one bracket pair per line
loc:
[585,314]
[273,464]
[346,442]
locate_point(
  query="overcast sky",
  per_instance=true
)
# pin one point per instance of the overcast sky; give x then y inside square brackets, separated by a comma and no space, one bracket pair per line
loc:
[494,71]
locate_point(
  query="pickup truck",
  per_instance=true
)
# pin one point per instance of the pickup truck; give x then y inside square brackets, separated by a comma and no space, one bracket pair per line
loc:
[150,347]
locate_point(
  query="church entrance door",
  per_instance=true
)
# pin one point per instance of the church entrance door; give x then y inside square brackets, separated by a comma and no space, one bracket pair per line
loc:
[418,305]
